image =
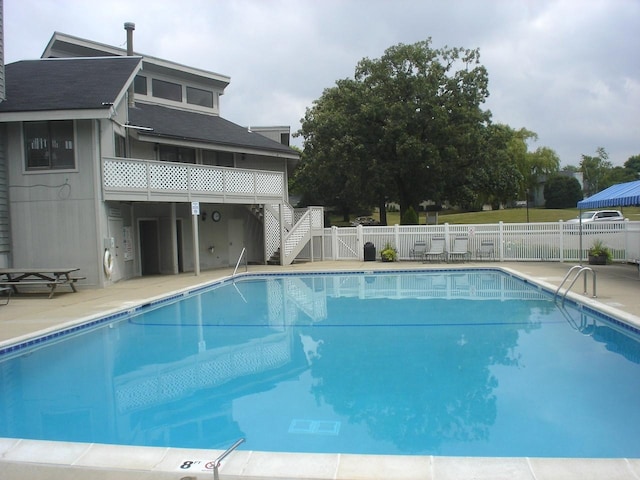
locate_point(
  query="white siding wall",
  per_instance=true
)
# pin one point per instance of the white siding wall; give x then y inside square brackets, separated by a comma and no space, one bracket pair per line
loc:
[5,230]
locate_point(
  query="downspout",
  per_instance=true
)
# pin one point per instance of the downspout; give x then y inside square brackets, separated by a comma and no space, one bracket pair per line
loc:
[101,223]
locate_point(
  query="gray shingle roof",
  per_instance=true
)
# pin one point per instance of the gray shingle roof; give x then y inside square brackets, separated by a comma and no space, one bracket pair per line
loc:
[95,83]
[180,124]
[66,83]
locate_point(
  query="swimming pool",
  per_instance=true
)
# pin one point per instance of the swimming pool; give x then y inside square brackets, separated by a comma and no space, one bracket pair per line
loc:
[469,381]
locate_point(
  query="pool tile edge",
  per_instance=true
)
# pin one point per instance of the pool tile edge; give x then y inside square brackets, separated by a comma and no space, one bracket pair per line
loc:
[161,462]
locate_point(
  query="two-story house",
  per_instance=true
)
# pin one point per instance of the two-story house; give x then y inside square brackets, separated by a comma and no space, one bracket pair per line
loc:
[120,164]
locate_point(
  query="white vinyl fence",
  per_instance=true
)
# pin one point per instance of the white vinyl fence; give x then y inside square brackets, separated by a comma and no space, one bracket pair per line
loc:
[553,241]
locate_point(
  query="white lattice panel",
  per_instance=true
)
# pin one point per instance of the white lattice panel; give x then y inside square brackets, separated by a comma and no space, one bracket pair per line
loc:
[207,180]
[122,174]
[168,176]
[288,214]
[317,217]
[272,232]
[268,183]
[134,174]
[296,235]
[239,181]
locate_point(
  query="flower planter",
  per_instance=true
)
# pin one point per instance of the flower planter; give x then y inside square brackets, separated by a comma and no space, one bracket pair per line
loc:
[597,259]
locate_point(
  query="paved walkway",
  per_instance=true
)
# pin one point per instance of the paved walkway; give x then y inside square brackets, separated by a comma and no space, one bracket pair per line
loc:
[618,291]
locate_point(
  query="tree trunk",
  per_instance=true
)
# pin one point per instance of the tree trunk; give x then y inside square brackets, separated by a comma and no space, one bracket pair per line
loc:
[382,206]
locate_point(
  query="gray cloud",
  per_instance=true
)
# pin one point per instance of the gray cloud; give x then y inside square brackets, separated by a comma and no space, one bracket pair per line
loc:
[565,69]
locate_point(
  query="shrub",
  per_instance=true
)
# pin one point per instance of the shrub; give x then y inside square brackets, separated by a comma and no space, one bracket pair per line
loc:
[389,253]
[410,217]
[562,192]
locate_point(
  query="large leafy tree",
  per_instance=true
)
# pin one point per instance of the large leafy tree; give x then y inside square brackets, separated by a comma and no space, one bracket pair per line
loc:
[594,171]
[633,164]
[531,165]
[498,181]
[410,124]
[335,168]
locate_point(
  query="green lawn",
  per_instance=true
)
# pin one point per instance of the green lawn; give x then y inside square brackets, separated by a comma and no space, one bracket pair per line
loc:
[512,215]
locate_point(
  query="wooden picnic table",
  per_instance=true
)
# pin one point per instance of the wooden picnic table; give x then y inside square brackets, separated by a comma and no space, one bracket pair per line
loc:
[50,277]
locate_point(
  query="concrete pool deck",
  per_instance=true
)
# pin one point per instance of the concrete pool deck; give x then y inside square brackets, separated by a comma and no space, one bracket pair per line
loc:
[618,292]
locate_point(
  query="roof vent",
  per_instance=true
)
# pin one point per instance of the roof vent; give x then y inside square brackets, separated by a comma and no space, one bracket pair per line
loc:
[130,27]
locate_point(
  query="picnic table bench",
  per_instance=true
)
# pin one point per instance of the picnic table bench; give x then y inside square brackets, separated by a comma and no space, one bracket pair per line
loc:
[50,277]
[8,291]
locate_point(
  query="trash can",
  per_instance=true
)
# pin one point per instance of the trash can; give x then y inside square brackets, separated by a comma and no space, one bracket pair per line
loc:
[369,252]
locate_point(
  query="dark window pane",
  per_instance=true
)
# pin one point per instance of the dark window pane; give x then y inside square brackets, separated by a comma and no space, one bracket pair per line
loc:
[169,153]
[62,144]
[120,146]
[36,137]
[196,96]
[225,159]
[49,144]
[208,157]
[168,90]
[140,85]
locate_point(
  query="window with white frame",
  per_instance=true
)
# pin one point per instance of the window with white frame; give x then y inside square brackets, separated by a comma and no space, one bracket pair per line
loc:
[198,96]
[168,90]
[49,145]
[140,85]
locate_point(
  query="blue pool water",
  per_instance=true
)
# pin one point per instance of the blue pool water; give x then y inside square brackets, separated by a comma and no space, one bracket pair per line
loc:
[474,363]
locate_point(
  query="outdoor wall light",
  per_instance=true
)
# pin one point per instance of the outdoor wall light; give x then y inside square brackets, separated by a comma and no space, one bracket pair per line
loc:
[203,215]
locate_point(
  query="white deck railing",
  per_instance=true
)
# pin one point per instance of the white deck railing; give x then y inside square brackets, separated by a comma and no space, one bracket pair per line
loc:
[557,241]
[131,179]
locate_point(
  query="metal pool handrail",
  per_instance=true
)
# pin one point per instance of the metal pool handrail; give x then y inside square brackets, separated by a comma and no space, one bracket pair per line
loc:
[581,269]
[238,262]
[217,461]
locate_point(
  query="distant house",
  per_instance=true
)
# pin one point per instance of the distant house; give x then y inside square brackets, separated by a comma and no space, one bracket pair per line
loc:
[120,164]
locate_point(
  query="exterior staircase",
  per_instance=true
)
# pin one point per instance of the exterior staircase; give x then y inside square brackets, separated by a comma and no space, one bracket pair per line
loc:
[284,243]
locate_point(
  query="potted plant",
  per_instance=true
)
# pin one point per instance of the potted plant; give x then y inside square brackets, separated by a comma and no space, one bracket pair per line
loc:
[599,253]
[388,253]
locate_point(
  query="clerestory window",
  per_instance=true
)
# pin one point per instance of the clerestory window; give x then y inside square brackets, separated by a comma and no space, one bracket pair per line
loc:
[49,145]
[197,96]
[168,90]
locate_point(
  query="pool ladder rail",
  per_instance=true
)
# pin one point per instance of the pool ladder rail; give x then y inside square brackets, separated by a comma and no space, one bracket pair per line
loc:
[218,461]
[242,254]
[580,270]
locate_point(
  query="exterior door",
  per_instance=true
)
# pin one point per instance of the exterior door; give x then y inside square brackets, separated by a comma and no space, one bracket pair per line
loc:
[149,247]
[235,234]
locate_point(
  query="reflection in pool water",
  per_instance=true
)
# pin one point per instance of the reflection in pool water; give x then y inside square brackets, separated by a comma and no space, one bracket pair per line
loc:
[473,363]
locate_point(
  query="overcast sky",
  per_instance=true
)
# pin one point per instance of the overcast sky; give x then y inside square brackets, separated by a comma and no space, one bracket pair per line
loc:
[567,70]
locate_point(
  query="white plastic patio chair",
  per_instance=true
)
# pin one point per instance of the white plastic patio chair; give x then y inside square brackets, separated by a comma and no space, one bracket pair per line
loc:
[486,250]
[418,250]
[460,249]
[436,250]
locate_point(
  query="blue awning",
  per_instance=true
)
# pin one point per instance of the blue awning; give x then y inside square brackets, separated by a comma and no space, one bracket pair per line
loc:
[621,195]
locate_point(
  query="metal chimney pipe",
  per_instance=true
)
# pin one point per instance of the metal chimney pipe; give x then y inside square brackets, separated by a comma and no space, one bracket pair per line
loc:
[130,27]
